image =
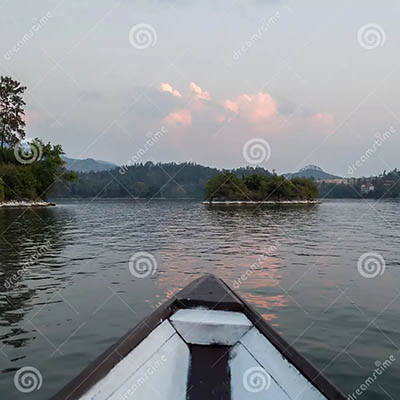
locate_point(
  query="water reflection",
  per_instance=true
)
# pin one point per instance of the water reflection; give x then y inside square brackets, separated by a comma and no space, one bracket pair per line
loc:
[243,248]
[31,242]
[79,294]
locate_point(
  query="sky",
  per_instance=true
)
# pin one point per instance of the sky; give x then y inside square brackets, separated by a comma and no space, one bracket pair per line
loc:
[224,83]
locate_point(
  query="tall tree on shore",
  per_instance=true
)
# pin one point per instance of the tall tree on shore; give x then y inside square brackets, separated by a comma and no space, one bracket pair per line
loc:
[12,124]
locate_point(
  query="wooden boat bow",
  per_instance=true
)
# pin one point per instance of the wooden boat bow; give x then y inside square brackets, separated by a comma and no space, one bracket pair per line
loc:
[205,343]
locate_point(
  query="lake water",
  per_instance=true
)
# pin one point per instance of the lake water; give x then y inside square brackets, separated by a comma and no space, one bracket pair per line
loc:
[75,295]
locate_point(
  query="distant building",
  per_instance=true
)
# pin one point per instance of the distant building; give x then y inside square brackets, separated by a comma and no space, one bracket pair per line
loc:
[367,187]
[337,181]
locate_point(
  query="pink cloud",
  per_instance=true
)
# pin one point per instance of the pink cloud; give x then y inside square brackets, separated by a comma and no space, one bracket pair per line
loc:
[323,120]
[248,112]
[199,92]
[179,117]
[255,108]
[166,87]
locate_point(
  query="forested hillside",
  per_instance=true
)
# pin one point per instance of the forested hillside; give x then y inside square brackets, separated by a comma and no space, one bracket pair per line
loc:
[162,180]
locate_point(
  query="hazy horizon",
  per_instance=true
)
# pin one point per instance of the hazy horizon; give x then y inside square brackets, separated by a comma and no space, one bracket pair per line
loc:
[316,82]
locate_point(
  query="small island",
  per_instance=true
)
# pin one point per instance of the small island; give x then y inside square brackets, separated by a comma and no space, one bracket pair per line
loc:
[229,189]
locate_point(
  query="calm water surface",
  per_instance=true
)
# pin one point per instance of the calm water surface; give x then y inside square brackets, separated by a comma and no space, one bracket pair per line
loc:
[76,296]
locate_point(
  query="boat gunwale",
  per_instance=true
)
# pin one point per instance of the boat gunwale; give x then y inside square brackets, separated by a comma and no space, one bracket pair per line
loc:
[186,299]
[294,357]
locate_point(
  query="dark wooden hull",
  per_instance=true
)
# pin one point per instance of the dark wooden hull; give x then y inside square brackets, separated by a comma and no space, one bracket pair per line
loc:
[211,293]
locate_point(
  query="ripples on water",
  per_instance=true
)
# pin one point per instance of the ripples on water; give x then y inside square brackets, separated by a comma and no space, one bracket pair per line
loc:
[78,296]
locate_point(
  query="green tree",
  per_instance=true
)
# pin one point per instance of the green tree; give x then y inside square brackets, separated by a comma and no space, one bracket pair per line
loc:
[50,168]
[19,182]
[140,189]
[305,188]
[253,182]
[274,188]
[35,180]
[12,124]
[226,186]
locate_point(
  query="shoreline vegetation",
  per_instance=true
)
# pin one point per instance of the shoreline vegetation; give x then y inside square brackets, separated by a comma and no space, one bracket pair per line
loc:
[28,168]
[147,180]
[153,181]
[229,189]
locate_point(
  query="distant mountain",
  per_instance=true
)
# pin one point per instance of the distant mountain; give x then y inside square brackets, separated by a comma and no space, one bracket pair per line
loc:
[87,165]
[311,171]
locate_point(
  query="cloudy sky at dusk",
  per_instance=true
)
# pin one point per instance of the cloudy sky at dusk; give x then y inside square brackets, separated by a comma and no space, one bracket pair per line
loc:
[318,81]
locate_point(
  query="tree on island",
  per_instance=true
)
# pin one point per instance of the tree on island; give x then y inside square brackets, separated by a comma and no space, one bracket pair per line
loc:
[33,181]
[228,187]
[12,124]
[28,169]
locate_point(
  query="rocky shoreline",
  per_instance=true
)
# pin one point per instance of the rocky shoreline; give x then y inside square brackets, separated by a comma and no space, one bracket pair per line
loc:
[245,203]
[27,204]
